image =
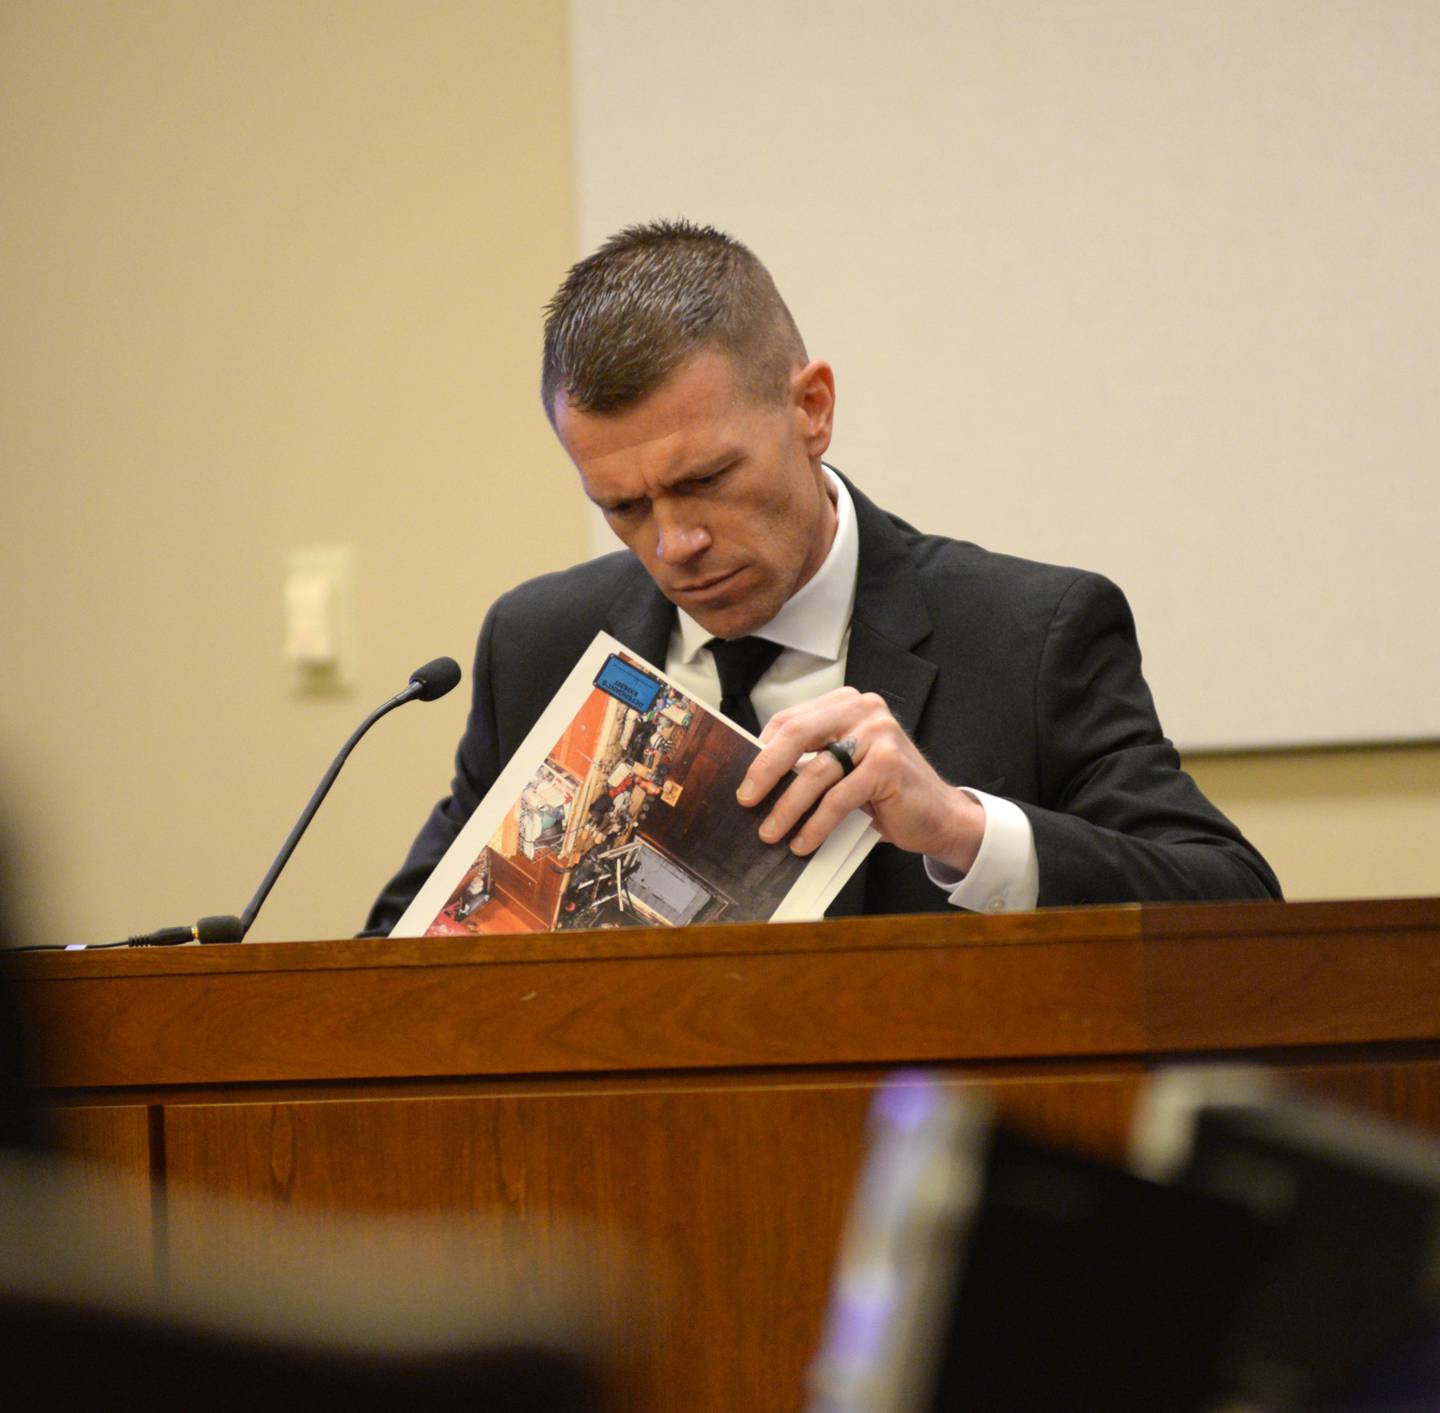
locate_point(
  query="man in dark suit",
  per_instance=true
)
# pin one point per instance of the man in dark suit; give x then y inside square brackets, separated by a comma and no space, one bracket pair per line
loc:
[988,713]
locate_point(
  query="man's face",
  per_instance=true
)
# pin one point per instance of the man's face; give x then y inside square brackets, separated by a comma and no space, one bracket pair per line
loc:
[719,495]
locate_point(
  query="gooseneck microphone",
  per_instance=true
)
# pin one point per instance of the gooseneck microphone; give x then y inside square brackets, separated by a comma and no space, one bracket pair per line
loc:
[426,684]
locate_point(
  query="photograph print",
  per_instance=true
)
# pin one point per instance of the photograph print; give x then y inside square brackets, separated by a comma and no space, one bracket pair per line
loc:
[629,819]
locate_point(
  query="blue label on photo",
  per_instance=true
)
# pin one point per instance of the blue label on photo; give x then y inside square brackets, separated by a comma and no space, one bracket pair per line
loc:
[628,684]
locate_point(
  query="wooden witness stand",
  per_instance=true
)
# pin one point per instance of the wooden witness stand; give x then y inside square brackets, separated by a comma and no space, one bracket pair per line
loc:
[702,1093]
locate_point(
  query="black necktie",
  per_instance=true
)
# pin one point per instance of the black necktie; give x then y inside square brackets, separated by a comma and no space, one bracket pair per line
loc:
[741,664]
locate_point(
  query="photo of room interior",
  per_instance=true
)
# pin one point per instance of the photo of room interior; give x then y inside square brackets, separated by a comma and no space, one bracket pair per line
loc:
[629,821]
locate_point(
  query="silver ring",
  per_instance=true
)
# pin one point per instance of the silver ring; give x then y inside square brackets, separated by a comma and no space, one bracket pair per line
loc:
[844,752]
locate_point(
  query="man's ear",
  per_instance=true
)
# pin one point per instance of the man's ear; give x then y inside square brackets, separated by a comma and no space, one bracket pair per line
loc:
[812,391]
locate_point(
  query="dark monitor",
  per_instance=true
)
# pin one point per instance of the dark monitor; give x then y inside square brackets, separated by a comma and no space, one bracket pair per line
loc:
[1347,1213]
[986,1270]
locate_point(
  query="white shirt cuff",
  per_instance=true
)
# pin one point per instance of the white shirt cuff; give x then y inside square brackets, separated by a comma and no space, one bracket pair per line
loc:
[1005,877]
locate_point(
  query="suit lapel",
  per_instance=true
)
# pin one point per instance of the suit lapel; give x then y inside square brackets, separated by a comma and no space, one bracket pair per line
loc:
[890,620]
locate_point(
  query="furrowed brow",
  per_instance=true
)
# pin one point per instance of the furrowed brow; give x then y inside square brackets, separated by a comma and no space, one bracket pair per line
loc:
[711,467]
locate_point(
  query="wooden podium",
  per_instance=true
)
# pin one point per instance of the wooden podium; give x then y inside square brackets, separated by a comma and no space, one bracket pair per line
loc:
[699,1095]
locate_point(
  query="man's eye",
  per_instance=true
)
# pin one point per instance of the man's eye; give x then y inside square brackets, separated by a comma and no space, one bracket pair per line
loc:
[623,510]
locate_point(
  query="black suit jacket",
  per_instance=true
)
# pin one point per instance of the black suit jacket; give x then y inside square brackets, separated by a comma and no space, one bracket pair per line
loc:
[1017,678]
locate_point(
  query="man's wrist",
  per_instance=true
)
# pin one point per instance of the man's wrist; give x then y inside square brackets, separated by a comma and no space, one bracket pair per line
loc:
[1005,874]
[961,841]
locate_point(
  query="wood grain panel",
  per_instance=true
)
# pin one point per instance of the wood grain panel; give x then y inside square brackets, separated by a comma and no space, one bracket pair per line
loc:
[1405,1091]
[843,1004]
[950,929]
[1249,975]
[109,1152]
[1086,1112]
[730,1200]
[1359,919]
[112,1137]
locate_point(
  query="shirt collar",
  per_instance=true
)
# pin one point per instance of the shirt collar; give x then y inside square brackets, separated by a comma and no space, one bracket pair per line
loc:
[816,618]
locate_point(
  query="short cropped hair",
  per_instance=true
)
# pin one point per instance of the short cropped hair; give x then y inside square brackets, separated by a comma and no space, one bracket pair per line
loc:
[650,298]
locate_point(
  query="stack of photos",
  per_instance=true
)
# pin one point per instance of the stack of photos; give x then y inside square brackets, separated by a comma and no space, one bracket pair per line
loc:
[619,810]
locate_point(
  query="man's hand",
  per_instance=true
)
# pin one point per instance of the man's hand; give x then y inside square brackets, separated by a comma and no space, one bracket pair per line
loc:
[913,808]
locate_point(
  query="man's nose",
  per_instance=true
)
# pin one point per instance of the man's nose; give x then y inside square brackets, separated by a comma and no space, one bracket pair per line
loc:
[679,540]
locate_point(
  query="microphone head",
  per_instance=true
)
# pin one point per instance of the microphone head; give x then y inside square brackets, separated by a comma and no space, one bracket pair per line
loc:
[220,929]
[436,678]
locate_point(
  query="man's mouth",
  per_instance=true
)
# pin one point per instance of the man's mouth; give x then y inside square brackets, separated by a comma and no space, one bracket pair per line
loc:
[707,587]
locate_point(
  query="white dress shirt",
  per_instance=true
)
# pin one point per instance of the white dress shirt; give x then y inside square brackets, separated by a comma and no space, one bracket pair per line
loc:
[813,627]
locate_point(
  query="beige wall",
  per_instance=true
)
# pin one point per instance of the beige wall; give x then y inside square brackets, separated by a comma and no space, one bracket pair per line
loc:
[1337,824]
[271,277]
